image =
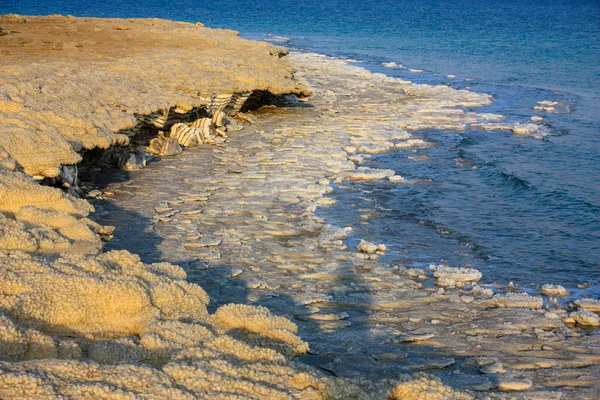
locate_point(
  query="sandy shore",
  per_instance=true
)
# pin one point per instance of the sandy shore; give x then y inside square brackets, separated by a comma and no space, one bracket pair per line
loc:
[239,217]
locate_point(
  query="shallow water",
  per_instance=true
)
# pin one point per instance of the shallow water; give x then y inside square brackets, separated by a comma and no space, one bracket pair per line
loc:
[518,208]
[239,218]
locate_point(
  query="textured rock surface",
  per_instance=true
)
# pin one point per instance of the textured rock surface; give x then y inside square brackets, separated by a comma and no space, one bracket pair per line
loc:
[71,83]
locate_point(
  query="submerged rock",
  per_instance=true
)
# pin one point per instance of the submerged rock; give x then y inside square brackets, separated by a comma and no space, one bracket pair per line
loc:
[364,174]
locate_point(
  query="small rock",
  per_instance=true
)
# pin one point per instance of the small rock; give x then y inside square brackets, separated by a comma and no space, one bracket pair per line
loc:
[236,272]
[456,274]
[495,368]
[588,304]
[395,178]
[366,247]
[245,118]
[517,300]
[509,384]
[586,318]
[94,193]
[415,338]
[163,146]
[554,290]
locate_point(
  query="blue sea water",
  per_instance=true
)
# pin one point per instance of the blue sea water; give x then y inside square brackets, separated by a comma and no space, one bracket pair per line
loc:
[518,208]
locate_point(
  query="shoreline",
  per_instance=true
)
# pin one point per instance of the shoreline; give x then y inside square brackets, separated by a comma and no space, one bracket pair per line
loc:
[223,266]
[299,202]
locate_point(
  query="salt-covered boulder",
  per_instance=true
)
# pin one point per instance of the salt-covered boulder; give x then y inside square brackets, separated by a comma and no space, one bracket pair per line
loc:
[526,129]
[554,290]
[515,300]
[66,297]
[588,304]
[423,386]
[441,272]
[258,320]
[585,318]
[513,384]
[370,248]
[186,136]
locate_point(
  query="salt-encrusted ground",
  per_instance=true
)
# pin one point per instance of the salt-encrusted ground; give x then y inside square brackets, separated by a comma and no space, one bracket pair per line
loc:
[239,217]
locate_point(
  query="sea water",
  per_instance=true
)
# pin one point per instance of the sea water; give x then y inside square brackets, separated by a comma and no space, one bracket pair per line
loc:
[519,208]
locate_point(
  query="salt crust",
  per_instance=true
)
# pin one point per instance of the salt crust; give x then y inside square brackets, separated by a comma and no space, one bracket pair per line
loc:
[424,387]
[65,321]
[554,290]
[75,312]
[456,274]
[588,304]
[109,327]
[166,344]
[515,300]
[79,80]
[586,318]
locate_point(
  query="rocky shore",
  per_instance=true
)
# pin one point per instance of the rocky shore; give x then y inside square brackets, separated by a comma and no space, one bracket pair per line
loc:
[236,211]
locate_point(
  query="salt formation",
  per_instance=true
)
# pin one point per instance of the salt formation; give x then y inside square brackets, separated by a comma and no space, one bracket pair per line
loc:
[585,317]
[57,315]
[423,387]
[44,219]
[553,290]
[163,146]
[546,106]
[526,129]
[82,109]
[450,276]
[364,319]
[588,304]
[370,248]
[516,300]
[364,174]
[76,323]
[391,65]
